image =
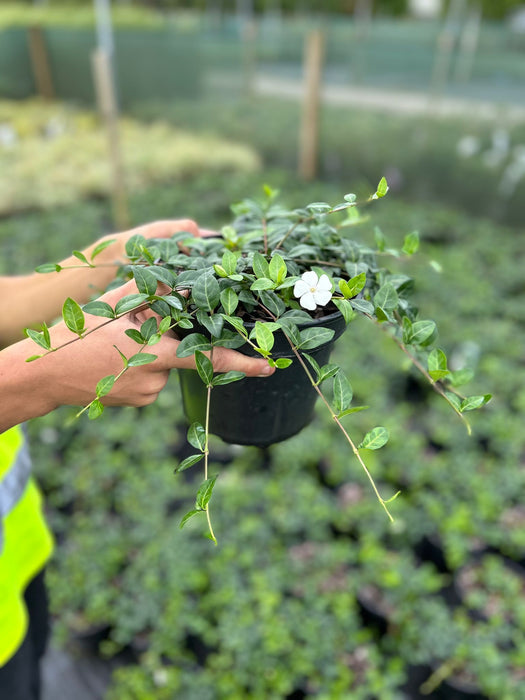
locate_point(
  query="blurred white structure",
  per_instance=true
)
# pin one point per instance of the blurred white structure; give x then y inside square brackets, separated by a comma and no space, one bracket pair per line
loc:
[425,9]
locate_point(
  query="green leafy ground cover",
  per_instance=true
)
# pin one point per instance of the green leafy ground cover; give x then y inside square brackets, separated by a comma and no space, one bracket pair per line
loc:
[311,593]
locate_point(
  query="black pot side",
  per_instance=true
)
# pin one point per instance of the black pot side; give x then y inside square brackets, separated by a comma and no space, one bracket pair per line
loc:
[261,411]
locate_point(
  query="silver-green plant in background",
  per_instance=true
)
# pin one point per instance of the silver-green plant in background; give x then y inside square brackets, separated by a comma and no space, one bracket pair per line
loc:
[274,269]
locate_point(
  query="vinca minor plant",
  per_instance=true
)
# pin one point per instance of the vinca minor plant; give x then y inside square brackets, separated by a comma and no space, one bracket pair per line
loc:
[273,270]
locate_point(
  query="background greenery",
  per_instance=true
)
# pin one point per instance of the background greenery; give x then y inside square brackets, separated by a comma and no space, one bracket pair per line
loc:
[311,593]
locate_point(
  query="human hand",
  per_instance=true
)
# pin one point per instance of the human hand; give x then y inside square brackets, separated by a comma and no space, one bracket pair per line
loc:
[69,375]
[156,229]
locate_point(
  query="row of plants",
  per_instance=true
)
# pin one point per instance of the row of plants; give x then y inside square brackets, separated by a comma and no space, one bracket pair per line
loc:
[53,154]
[445,161]
[312,591]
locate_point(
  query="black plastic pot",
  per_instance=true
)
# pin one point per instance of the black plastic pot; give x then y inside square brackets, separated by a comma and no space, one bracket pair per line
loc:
[261,411]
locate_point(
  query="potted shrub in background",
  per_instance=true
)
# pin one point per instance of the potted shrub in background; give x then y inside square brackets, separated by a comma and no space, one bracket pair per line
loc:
[282,284]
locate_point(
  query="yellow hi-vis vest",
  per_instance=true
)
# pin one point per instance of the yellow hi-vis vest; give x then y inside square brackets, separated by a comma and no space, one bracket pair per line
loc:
[25,541]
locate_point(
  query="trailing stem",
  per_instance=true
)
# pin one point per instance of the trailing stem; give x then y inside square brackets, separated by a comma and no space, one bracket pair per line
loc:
[207,452]
[345,433]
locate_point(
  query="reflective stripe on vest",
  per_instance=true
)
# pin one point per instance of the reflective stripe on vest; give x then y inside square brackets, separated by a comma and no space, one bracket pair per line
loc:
[13,484]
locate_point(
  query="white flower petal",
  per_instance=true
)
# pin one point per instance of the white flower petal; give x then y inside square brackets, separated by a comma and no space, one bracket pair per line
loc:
[307,301]
[311,278]
[324,284]
[300,288]
[322,297]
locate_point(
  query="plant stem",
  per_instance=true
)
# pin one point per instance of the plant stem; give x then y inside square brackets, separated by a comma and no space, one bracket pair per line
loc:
[343,430]
[207,451]
[443,672]
[355,450]
[417,364]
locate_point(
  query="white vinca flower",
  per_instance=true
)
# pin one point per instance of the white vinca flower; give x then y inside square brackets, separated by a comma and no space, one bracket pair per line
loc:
[313,291]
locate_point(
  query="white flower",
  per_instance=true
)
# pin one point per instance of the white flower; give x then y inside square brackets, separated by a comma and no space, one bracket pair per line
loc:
[312,290]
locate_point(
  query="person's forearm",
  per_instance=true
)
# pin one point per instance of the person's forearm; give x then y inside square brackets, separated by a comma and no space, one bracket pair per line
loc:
[30,300]
[24,387]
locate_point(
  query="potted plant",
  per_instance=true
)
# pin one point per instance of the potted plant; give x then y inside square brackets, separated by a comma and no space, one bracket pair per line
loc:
[280,283]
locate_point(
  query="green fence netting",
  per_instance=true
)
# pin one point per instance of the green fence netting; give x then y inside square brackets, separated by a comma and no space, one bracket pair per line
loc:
[148,65]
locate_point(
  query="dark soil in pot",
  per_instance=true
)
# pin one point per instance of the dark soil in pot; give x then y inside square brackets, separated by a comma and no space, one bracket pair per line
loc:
[261,411]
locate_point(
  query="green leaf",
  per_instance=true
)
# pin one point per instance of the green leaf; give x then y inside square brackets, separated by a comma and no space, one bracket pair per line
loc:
[354,409]
[314,337]
[48,267]
[411,243]
[273,302]
[261,268]
[472,402]
[105,385]
[206,292]
[196,436]
[351,198]
[327,371]
[345,307]
[135,245]
[278,269]
[342,392]
[422,332]
[262,283]
[379,238]
[237,324]
[290,330]
[33,358]
[141,358]
[437,365]
[188,516]
[164,325]
[191,343]
[375,439]
[146,280]
[264,336]
[129,303]
[381,315]
[461,376]
[204,367]
[386,298]
[229,301]
[96,409]
[315,365]
[99,308]
[355,285]
[454,400]
[319,207]
[38,337]
[149,327]
[227,378]
[229,262]
[382,188]
[135,335]
[73,316]
[213,324]
[80,256]
[219,270]
[100,247]
[204,493]
[283,362]
[188,462]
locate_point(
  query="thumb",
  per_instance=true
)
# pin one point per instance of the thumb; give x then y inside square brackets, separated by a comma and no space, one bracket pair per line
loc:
[225,360]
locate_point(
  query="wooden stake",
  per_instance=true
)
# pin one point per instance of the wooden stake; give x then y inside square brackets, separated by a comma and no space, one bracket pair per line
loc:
[309,132]
[107,105]
[40,63]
